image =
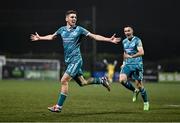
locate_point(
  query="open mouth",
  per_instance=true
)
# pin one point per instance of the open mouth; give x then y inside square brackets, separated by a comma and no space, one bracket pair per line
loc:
[73,22]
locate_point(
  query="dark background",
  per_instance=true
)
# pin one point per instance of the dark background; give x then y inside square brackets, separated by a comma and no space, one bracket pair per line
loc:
[156,22]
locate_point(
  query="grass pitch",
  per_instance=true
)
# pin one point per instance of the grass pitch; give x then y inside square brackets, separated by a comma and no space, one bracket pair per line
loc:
[27,101]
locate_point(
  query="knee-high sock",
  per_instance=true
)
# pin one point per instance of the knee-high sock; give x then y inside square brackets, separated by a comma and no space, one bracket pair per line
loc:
[94,81]
[89,81]
[61,99]
[128,85]
[144,94]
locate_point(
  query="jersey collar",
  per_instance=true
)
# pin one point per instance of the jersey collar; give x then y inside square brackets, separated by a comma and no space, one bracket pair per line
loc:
[71,27]
[131,39]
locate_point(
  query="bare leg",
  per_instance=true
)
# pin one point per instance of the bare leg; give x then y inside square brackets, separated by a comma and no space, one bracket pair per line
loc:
[64,83]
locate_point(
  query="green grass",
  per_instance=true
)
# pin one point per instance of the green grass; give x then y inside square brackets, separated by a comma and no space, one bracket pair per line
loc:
[24,101]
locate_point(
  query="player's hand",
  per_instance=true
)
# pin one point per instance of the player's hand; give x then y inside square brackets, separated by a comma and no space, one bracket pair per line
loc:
[127,56]
[122,65]
[115,62]
[115,40]
[105,61]
[35,37]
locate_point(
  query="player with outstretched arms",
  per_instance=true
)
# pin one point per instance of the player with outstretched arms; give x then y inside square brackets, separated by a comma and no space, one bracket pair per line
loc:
[70,35]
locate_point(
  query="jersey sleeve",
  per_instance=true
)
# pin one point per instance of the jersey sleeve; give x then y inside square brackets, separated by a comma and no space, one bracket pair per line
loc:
[123,43]
[139,43]
[59,31]
[84,31]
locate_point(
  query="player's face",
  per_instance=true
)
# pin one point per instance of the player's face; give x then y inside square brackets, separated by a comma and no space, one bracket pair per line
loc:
[71,19]
[128,31]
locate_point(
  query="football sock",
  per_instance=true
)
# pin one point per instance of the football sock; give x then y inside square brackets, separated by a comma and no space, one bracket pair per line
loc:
[96,81]
[143,94]
[61,99]
[128,85]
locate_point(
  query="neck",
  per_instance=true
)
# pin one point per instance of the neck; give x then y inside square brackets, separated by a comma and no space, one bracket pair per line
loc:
[130,38]
[70,26]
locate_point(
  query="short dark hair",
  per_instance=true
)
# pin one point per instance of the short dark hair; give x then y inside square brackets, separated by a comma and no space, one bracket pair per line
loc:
[70,12]
[128,26]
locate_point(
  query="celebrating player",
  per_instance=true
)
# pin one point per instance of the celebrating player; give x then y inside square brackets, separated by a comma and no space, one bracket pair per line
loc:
[133,65]
[70,35]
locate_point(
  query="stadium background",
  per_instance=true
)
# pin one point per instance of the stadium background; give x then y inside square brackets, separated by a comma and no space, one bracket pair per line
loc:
[156,22]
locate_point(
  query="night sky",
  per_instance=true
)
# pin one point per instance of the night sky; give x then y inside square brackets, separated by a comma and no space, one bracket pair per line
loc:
[156,22]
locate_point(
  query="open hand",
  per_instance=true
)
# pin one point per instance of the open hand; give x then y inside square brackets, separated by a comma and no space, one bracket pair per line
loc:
[115,40]
[35,37]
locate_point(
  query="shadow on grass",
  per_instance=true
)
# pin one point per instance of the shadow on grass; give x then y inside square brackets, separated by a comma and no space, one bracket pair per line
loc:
[97,113]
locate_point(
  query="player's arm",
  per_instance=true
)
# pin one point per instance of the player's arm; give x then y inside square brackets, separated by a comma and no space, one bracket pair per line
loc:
[115,62]
[112,39]
[37,37]
[105,62]
[139,53]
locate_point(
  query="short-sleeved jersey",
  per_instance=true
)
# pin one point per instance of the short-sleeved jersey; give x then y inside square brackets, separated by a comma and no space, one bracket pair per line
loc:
[71,42]
[130,47]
